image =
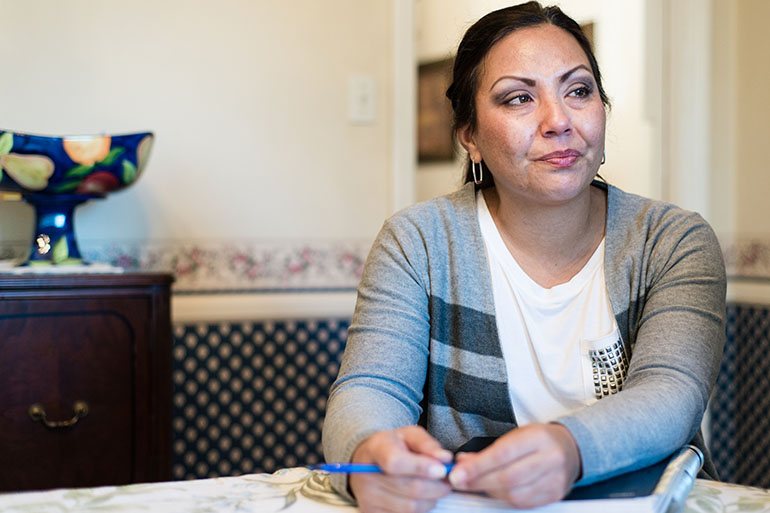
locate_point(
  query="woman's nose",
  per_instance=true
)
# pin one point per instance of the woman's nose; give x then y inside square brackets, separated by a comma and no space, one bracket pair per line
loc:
[555,119]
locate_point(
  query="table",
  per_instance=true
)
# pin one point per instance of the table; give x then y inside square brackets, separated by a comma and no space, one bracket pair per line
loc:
[295,490]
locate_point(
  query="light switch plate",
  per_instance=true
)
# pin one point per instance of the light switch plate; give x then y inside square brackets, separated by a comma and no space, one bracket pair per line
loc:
[362,99]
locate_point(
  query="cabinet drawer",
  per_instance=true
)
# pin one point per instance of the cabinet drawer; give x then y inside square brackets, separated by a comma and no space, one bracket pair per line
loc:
[54,353]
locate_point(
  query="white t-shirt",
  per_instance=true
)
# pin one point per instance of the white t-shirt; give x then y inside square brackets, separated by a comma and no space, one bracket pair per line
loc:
[561,345]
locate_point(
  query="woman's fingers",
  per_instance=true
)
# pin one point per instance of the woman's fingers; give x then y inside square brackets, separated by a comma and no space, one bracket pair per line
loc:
[529,466]
[473,470]
[528,482]
[417,488]
[397,494]
[529,495]
[412,464]
[384,499]
[418,440]
[405,451]
[520,472]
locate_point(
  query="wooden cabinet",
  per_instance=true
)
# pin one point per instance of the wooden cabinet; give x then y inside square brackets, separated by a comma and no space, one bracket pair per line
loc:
[89,355]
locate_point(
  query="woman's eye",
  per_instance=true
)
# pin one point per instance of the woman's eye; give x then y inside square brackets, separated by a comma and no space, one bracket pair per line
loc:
[519,99]
[581,92]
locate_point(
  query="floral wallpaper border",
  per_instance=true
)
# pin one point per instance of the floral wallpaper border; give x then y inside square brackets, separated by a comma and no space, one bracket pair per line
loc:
[234,266]
[321,265]
[746,257]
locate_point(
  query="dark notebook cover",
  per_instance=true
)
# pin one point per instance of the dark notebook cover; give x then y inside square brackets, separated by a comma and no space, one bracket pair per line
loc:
[637,483]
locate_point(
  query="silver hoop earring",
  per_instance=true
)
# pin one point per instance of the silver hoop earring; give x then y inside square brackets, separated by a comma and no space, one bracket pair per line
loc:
[604,158]
[480,178]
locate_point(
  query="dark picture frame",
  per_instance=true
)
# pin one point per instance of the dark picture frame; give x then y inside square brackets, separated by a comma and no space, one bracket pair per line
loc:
[588,30]
[434,112]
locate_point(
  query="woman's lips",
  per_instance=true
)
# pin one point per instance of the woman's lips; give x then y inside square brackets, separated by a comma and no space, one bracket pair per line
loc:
[561,159]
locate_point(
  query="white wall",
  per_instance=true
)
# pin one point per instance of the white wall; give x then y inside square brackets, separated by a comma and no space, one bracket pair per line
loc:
[740,182]
[752,104]
[627,44]
[724,120]
[687,104]
[248,100]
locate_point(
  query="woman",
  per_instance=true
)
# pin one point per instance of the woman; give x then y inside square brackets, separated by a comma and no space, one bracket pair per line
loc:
[579,325]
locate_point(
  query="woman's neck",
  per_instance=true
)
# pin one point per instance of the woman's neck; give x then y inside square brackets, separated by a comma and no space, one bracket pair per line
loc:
[551,243]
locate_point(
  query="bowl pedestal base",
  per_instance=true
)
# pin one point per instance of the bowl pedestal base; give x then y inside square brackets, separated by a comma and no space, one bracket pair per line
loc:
[53,241]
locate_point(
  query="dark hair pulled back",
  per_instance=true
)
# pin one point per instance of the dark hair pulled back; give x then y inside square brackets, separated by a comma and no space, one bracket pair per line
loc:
[479,40]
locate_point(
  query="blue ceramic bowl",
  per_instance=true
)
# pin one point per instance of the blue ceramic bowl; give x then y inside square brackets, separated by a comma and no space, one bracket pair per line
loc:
[56,174]
[90,164]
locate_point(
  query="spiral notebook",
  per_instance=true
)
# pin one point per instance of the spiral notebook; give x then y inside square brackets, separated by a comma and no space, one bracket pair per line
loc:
[660,488]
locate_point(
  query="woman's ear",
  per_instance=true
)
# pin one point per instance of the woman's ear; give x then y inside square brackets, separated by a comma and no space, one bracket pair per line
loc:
[465,136]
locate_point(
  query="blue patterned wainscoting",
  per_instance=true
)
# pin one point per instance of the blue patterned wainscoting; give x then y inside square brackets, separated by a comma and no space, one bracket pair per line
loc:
[740,406]
[250,396]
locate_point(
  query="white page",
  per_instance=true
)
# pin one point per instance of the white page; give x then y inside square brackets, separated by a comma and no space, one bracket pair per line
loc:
[457,502]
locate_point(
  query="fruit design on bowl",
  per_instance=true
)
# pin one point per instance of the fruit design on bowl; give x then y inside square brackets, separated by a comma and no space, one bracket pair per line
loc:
[94,164]
[55,174]
[29,171]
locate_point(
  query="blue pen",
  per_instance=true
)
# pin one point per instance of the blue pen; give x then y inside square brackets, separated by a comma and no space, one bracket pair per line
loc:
[357,468]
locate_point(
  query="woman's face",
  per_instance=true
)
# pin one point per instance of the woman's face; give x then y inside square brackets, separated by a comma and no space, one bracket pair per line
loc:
[539,118]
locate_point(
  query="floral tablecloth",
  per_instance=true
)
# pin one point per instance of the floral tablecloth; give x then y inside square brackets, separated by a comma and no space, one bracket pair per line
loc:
[295,490]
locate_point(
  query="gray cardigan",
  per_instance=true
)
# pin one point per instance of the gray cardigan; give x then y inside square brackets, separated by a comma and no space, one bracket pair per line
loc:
[423,345]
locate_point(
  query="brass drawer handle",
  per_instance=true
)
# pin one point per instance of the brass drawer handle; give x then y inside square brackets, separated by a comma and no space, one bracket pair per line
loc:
[37,413]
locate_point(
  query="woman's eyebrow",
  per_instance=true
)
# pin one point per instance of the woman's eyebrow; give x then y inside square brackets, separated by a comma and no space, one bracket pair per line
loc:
[566,76]
[531,82]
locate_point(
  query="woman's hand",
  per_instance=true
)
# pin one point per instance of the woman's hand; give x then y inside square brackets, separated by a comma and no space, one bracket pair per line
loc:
[529,466]
[413,466]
